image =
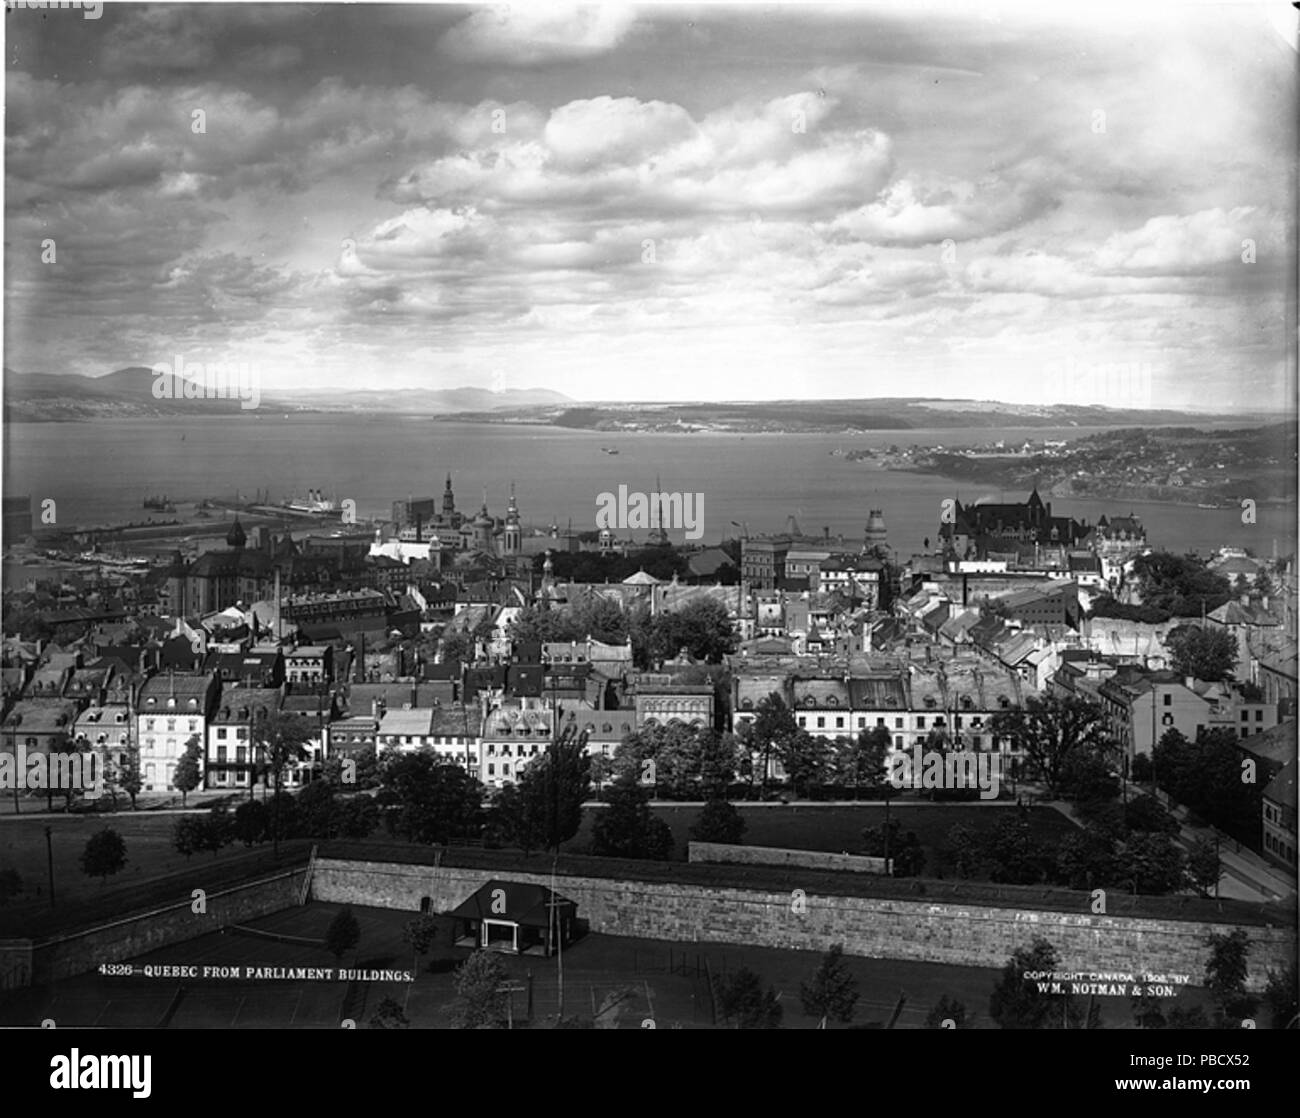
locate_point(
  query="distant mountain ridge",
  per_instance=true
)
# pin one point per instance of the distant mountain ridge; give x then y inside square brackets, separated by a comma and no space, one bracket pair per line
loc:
[128,393]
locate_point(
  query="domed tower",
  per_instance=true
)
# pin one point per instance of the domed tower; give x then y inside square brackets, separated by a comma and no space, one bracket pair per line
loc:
[236,538]
[875,536]
[514,533]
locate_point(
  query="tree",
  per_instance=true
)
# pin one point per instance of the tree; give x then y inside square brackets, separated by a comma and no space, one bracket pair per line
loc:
[773,726]
[1141,771]
[743,1003]
[11,884]
[626,828]
[358,817]
[946,1009]
[104,855]
[480,1001]
[389,1015]
[282,740]
[129,778]
[458,647]
[1018,1002]
[965,850]
[1087,778]
[318,810]
[547,811]
[1206,775]
[1086,860]
[1203,866]
[1179,585]
[718,761]
[218,829]
[719,821]
[1012,853]
[435,800]
[1147,1011]
[343,934]
[1203,653]
[905,851]
[1146,813]
[189,769]
[1151,863]
[188,835]
[805,758]
[252,822]
[1225,975]
[832,993]
[1051,730]
[702,628]
[861,760]
[421,933]
[1281,996]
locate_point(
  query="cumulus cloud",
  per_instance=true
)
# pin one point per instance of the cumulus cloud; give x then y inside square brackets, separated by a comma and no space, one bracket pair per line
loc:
[524,36]
[1180,244]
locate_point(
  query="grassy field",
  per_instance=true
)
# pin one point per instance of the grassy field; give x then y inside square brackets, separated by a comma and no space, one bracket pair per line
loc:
[149,839]
[149,853]
[629,979]
[838,828]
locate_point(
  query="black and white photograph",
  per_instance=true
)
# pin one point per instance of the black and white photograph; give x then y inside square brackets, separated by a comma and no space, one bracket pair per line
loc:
[674,516]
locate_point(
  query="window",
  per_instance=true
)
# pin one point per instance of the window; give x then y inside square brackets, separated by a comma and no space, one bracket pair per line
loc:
[803,720]
[898,741]
[839,723]
[880,721]
[148,722]
[221,755]
[821,722]
[1169,699]
[920,722]
[898,723]
[1245,716]
[492,769]
[241,754]
[221,733]
[1259,716]
[171,725]
[194,724]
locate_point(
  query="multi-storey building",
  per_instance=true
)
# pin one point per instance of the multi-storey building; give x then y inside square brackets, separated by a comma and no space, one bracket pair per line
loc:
[233,757]
[171,709]
[658,699]
[515,731]
[1279,813]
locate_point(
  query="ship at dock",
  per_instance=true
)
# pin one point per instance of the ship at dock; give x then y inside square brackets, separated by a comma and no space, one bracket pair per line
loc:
[315,504]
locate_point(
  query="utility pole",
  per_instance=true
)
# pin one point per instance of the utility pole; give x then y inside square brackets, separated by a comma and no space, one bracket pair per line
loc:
[49,856]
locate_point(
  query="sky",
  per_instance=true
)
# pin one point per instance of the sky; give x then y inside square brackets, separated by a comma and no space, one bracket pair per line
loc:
[1043,204]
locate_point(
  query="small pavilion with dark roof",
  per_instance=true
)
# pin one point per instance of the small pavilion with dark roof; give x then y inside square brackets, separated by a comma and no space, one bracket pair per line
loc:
[514,917]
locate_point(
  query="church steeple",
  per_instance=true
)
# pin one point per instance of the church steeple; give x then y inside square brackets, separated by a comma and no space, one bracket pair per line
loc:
[513,533]
[236,537]
[448,499]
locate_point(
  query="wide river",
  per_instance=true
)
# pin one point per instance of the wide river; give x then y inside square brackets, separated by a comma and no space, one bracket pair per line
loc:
[100,471]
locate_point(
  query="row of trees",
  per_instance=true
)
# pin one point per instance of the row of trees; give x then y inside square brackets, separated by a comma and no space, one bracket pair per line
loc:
[1126,847]
[1017,1003]
[702,628]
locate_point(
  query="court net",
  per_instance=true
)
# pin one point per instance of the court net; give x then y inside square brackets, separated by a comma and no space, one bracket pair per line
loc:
[271,937]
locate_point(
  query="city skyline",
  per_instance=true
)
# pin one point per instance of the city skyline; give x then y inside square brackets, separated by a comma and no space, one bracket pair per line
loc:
[662,203]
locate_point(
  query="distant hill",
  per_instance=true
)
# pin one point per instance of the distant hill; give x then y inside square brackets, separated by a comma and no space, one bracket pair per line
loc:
[838,416]
[130,393]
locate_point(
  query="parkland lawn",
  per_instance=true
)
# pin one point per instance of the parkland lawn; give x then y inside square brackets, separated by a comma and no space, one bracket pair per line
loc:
[838,828]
